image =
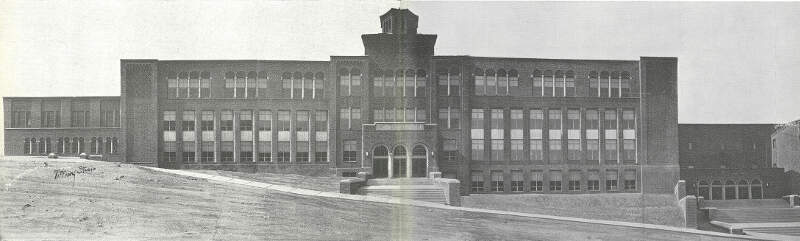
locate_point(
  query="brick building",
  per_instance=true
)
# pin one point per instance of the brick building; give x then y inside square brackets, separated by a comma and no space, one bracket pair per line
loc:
[729,161]
[496,124]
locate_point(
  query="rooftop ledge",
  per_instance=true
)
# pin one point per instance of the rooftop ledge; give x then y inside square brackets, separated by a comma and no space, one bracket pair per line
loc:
[400,126]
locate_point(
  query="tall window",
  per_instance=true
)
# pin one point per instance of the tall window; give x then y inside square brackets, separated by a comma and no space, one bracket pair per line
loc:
[187,124]
[449,82]
[611,180]
[573,135]
[350,153]
[549,83]
[286,85]
[625,85]
[50,119]
[226,120]
[502,82]
[605,82]
[517,125]
[574,181]
[350,118]
[264,136]
[497,131]
[491,82]
[570,84]
[517,181]
[450,147]
[554,124]
[420,83]
[536,126]
[169,147]
[20,119]
[80,118]
[480,82]
[610,125]
[630,180]
[593,183]
[614,84]
[594,84]
[497,181]
[513,82]
[284,151]
[350,82]
[559,80]
[537,181]
[207,121]
[555,181]
[537,78]
[319,85]
[476,181]
[302,153]
[477,135]
[629,136]
[377,83]
[262,80]
[592,136]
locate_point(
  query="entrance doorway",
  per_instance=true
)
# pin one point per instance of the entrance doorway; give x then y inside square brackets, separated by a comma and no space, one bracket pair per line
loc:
[419,162]
[380,162]
[399,159]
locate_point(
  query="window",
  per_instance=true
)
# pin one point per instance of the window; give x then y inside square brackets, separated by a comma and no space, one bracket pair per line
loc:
[517,181]
[594,88]
[50,119]
[226,120]
[555,151]
[389,83]
[301,151]
[611,152]
[502,82]
[513,81]
[321,151]
[450,147]
[286,85]
[593,183]
[554,123]
[477,150]
[555,181]
[344,119]
[246,120]
[537,78]
[537,183]
[476,183]
[284,121]
[227,151]
[188,121]
[549,83]
[319,85]
[169,155]
[592,151]
[110,118]
[420,82]
[284,151]
[625,84]
[264,151]
[207,152]
[321,121]
[302,122]
[537,152]
[497,150]
[558,81]
[350,153]
[80,118]
[570,84]
[605,81]
[574,181]
[629,136]
[574,150]
[497,181]
[377,83]
[480,82]
[517,151]
[188,154]
[230,85]
[308,84]
[20,119]
[630,180]
[611,180]
[477,134]
[265,121]
[207,121]
[297,85]
[449,118]
[169,121]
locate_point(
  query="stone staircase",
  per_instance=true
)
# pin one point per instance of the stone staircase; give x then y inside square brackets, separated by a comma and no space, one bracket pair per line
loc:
[756,217]
[422,189]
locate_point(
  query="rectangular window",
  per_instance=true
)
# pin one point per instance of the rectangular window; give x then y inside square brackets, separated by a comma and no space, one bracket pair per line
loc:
[286,85]
[555,181]
[169,121]
[284,151]
[497,181]
[344,119]
[226,120]
[497,124]
[549,80]
[573,120]
[355,118]
[611,152]
[594,88]
[592,152]
[230,85]
[321,151]
[245,120]
[537,181]
[537,83]
[593,182]
[261,82]
[21,119]
[480,84]
[264,151]
[497,150]
[554,123]
[574,150]
[188,121]
[355,83]
[450,147]
[422,81]
[377,85]
[477,150]
[611,180]
[517,150]
[207,121]
[491,83]
[301,151]
[444,118]
[50,119]
[284,121]
[570,84]
[630,180]
[227,151]
[265,120]
[574,181]
[455,118]
[172,85]
[629,151]
[350,153]
[517,181]
[302,122]
[80,118]
[321,121]
[592,120]
[610,123]
[537,152]
[476,181]
[246,151]
[207,152]
[555,151]
[559,80]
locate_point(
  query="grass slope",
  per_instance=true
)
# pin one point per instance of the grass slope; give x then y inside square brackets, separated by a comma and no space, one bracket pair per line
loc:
[125,202]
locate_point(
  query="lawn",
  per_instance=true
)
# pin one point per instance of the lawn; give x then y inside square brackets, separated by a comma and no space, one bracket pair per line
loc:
[115,202]
[630,207]
[319,183]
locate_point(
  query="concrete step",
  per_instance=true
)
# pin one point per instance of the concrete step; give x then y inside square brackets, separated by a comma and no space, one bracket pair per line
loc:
[756,215]
[399,181]
[746,203]
[428,193]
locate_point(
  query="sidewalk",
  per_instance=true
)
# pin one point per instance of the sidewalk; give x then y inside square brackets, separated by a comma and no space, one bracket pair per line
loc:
[400,201]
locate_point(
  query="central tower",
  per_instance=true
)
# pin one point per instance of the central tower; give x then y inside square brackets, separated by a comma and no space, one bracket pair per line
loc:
[399,44]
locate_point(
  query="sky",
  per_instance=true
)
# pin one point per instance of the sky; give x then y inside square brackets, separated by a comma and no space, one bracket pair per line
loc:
[736,61]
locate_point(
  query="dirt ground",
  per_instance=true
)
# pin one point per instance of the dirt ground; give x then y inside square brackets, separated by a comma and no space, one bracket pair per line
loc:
[123,202]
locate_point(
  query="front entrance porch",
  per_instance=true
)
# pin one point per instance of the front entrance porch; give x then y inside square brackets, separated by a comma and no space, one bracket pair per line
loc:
[400,163]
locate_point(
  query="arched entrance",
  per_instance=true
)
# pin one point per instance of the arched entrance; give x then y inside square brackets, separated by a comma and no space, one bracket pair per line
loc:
[399,160]
[380,162]
[419,161]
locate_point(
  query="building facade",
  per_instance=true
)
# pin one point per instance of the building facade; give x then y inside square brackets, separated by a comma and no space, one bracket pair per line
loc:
[729,161]
[496,124]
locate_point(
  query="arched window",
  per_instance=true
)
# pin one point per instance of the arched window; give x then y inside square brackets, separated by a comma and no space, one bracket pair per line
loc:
[344,82]
[230,84]
[502,82]
[286,85]
[703,189]
[756,189]
[408,82]
[730,190]
[93,145]
[537,78]
[716,190]
[480,82]
[205,84]
[67,145]
[615,84]
[172,84]
[26,146]
[594,84]
[569,84]
[319,85]
[60,145]
[308,85]
[422,82]
[297,85]
[355,82]
[491,82]
[81,145]
[744,189]
[42,146]
[419,151]
[605,80]
[399,162]
[559,83]
[261,84]
[513,80]
[625,84]
[549,83]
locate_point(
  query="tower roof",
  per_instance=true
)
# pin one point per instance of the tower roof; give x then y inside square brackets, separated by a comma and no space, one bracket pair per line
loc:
[399,21]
